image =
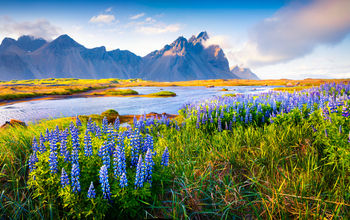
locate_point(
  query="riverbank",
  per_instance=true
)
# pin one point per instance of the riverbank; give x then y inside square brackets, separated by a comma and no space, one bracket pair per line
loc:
[27,90]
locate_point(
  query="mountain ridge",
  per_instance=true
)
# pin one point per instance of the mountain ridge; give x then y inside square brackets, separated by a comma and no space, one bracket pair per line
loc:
[183,59]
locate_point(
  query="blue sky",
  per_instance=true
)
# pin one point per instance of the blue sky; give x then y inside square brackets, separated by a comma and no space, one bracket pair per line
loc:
[276,38]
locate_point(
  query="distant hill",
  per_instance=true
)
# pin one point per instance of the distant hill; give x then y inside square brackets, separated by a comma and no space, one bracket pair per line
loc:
[28,58]
[244,73]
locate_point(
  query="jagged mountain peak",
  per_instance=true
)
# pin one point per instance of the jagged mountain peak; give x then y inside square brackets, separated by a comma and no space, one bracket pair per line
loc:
[30,43]
[203,35]
[64,41]
[7,41]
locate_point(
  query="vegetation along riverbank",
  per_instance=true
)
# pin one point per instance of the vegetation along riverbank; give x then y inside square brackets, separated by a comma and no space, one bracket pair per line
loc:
[273,155]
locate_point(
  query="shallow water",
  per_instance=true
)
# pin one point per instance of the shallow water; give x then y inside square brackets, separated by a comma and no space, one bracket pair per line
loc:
[40,109]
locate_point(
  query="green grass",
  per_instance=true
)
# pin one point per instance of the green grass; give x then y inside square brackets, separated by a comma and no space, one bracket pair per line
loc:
[120,92]
[162,93]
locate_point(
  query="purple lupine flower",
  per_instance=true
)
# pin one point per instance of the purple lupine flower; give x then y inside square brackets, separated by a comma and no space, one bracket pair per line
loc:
[219,125]
[135,148]
[35,145]
[325,132]
[104,125]
[64,179]
[119,161]
[340,129]
[140,173]
[345,111]
[32,161]
[148,143]
[98,132]
[313,128]
[91,192]
[165,158]
[117,124]
[149,163]
[53,163]
[42,147]
[104,154]
[75,178]
[123,181]
[64,151]
[78,122]
[88,145]
[104,182]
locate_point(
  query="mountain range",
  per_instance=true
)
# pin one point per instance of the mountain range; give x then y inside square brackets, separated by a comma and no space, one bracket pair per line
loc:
[29,58]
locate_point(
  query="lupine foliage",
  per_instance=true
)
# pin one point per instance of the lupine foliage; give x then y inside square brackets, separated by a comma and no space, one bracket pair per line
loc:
[101,166]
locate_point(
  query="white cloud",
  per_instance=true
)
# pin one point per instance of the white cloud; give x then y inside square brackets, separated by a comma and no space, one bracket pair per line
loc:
[108,9]
[137,16]
[159,28]
[294,31]
[222,40]
[40,28]
[102,19]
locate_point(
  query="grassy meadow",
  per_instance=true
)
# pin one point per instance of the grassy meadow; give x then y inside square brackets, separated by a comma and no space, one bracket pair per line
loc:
[276,155]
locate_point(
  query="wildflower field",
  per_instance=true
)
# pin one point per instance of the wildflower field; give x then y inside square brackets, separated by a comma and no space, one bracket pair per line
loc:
[270,155]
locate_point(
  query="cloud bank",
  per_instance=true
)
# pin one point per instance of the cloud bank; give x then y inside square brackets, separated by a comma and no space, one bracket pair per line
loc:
[294,31]
[39,28]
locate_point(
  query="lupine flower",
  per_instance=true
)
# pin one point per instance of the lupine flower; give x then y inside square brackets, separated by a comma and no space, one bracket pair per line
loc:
[104,125]
[117,124]
[219,125]
[313,128]
[325,132]
[345,111]
[119,161]
[340,129]
[64,151]
[123,181]
[91,193]
[64,179]
[53,163]
[140,173]
[98,132]
[35,145]
[148,143]
[135,147]
[104,182]
[75,178]
[148,166]
[78,122]
[88,145]
[104,154]
[32,161]
[42,147]
[165,157]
